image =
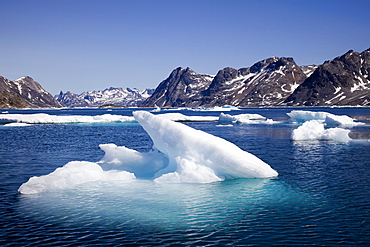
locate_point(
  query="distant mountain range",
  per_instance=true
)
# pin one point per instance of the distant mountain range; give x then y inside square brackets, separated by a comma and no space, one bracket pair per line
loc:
[25,93]
[107,97]
[343,81]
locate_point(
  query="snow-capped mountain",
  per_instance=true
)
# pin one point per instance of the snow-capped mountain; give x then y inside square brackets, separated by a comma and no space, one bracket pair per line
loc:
[341,81]
[266,83]
[183,87]
[25,93]
[110,96]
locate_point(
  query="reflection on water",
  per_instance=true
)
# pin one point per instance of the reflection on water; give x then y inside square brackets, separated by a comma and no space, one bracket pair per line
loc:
[144,202]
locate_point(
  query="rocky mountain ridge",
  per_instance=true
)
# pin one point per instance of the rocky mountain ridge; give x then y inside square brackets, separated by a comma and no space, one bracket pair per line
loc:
[343,81]
[266,83]
[110,96]
[25,93]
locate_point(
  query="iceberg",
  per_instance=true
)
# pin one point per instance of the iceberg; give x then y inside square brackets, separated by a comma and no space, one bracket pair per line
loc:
[70,175]
[42,118]
[196,156]
[326,117]
[244,118]
[315,130]
[180,154]
[216,108]
[178,117]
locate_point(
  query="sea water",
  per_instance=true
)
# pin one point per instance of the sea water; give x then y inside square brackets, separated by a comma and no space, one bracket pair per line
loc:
[321,196]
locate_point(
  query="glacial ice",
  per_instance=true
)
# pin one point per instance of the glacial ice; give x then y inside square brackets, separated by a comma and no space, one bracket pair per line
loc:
[178,117]
[196,156]
[244,118]
[319,126]
[328,118]
[315,130]
[16,125]
[42,118]
[70,175]
[180,154]
[216,108]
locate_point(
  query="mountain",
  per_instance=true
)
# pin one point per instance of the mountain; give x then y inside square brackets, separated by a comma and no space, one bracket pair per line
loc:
[266,83]
[183,87]
[342,81]
[110,96]
[25,93]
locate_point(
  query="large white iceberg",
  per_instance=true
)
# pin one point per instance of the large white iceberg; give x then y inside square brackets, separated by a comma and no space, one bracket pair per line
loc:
[196,156]
[180,154]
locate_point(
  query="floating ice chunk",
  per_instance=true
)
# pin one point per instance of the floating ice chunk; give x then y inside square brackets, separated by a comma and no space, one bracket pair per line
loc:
[328,118]
[303,116]
[334,120]
[186,155]
[216,108]
[315,130]
[70,175]
[17,124]
[178,117]
[42,118]
[244,118]
[192,154]
[224,125]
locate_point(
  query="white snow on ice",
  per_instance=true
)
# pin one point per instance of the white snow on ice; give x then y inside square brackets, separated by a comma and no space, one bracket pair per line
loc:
[180,154]
[315,130]
[216,108]
[316,126]
[328,118]
[42,118]
[70,175]
[244,118]
[196,156]
[183,118]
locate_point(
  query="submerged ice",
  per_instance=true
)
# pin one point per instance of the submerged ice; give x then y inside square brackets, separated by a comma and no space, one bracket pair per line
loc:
[180,154]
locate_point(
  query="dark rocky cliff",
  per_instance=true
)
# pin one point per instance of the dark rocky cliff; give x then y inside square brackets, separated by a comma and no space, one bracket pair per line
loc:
[343,81]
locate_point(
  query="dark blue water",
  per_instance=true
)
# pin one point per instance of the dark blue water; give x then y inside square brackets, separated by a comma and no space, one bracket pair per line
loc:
[321,196]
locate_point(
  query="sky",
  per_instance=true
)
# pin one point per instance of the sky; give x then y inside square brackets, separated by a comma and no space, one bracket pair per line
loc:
[85,45]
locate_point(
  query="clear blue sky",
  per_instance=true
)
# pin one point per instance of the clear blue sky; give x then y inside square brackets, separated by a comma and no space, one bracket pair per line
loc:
[82,45]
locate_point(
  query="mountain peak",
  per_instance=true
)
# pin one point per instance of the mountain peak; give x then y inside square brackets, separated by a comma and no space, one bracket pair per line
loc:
[31,92]
[109,96]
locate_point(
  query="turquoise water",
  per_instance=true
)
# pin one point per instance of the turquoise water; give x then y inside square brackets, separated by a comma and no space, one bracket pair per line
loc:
[321,196]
